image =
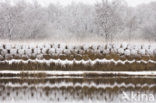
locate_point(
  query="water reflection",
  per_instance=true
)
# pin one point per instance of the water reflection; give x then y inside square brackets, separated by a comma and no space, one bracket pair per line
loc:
[78,89]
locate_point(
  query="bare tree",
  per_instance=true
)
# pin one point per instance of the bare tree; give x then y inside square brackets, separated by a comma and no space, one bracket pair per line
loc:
[107,19]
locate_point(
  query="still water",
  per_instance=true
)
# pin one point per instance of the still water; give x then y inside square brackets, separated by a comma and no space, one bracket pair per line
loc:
[77,89]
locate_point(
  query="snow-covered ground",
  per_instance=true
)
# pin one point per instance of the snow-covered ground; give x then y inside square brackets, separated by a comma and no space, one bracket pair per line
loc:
[82,73]
[71,62]
[39,50]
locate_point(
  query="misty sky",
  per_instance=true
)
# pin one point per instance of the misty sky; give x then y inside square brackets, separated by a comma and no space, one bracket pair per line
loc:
[66,2]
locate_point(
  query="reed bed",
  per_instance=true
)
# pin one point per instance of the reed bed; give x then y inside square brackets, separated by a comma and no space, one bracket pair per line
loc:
[116,57]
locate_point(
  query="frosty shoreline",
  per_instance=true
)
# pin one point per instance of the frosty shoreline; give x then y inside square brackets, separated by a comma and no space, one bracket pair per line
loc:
[97,57]
[81,73]
[71,62]
[110,50]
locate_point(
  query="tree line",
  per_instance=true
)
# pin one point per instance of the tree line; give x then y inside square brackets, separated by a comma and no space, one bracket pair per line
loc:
[110,20]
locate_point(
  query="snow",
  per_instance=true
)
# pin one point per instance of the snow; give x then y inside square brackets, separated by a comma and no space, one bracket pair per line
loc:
[40,46]
[85,47]
[130,46]
[25,56]
[133,52]
[32,46]
[13,51]
[117,46]
[4,51]
[109,46]
[70,62]
[67,51]
[142,52]
[28,51]
[17,46]
[52,51]
[21,51]
[1,46]
[137,46]
[94,47]
[74,85]
[146,46]
[126,49]
[39,56]
[106,51]
[8,56]
[55,46]
[127,52]
[121,51]
[25,46]
[44,50]
[68,73]
[37,51]
[101,48]
[59,50]
[8,46]
[33,55]
[124,45]
[149,51]
[70,47]
[62,46]
[48,46]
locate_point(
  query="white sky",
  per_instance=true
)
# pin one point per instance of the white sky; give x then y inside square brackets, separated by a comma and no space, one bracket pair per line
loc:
[66,2]
[138,2]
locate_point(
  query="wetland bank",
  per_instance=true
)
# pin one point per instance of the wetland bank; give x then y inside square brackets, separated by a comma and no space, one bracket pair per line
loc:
[61,73]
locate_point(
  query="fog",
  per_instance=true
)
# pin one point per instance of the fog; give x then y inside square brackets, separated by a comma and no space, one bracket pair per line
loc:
[108,20]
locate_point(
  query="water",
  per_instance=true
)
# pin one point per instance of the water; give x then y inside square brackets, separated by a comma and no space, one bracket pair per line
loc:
[77,89]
